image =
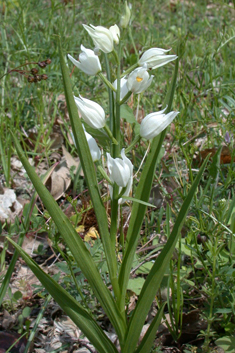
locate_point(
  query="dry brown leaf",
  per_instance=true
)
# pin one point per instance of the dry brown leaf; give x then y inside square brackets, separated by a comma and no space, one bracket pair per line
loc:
[70,161]
[59,181]
[9,206]
[91,234]
[225,156]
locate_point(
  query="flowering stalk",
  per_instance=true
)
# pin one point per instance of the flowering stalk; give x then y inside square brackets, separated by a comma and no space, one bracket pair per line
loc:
[130,69]
[110,135]
[107,82]
[115,151]
[110,92]
[120,180]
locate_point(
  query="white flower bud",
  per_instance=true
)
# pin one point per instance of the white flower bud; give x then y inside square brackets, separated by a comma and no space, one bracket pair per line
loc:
[94,149]
[155,57]
[126,17]
[102,37]
[92,113]
[153,124]
[121,172]
[115,31]
[88,61]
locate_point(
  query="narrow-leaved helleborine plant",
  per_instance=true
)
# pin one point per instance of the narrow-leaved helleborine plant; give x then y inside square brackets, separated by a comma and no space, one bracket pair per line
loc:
[117,170]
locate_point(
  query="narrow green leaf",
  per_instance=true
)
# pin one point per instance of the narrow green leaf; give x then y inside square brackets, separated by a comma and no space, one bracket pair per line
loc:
[36,323]
[90,175]
[138,212]
[7,278]
[77,247]
[215,166]
[147,342]
[71,307]
[138,201]
[142,193]
[157,272]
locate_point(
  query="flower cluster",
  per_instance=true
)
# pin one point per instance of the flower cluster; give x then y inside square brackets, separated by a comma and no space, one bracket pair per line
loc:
[104,39]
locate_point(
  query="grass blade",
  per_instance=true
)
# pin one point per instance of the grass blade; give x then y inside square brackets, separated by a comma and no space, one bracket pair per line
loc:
[35,326]
[10,269]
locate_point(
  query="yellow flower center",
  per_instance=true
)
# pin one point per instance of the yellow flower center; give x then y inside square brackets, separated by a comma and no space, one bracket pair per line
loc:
[139,79]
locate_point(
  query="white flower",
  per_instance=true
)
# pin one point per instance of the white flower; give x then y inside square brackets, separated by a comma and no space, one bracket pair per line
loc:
[139,80]
[94,149]
[126,17]
[88,61]
[153,124]
[123,87]
[115,31]
[102,37]
[92,113]
[155,57]
[121,172]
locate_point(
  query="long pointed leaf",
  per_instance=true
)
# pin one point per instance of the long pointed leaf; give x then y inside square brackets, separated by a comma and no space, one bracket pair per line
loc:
[77,247]
[71,307]
[147,342]
[157,272]
[90,175]
[142,193]
[10,270]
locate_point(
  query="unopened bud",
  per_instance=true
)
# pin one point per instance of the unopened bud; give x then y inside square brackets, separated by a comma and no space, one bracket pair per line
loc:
[48,61]
[126,17]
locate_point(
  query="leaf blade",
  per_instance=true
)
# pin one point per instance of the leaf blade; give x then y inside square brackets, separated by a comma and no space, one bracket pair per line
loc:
[81,254]
[89,173]
[142,193]
[157,272]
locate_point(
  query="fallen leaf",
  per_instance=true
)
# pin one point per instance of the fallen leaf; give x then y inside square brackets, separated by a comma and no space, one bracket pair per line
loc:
[7,339]
[225,156]
[9,206]
[91,234]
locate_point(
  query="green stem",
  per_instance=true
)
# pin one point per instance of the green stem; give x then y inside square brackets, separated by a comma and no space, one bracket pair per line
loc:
[116,56]
[111,107]
[133,42]
[110,135]
[213,294]
[114,215]
[107,82]
[131,68]
[104,174]
[115,153]
[133,143]
[127,96]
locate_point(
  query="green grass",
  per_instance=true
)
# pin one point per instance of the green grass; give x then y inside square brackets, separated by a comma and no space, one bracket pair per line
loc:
[204,96]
